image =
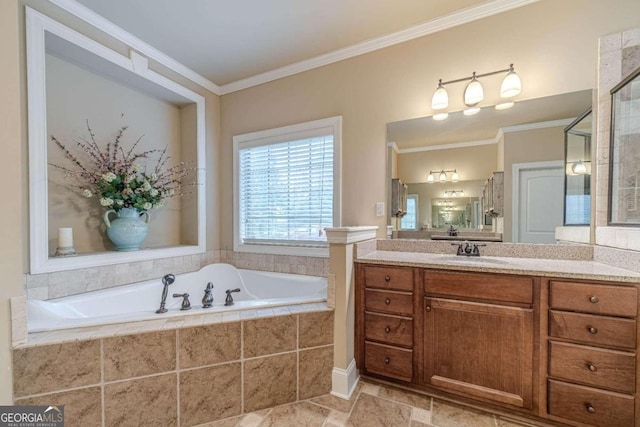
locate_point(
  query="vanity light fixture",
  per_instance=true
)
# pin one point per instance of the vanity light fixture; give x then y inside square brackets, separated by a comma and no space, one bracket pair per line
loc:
[474,93]
[579,168]
[442,176]
[454,193]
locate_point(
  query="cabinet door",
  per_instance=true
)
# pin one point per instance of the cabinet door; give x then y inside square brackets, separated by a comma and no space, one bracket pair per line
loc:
[480,350]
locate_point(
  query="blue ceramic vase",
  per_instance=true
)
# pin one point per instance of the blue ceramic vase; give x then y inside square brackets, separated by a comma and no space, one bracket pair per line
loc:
[128,230]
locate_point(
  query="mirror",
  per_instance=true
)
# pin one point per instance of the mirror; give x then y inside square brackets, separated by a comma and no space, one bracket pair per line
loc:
[75,83]
[530,133]
[577,181]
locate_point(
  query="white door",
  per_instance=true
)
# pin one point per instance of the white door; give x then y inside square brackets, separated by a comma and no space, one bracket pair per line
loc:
[539,198]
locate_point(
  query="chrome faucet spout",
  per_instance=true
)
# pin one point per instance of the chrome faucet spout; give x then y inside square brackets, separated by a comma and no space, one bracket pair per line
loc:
[167,280]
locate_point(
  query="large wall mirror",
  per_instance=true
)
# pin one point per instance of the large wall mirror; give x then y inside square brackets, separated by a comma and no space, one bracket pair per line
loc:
[80,90]
[525,144]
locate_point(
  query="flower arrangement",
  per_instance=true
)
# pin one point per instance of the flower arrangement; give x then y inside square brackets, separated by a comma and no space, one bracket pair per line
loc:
[118,178]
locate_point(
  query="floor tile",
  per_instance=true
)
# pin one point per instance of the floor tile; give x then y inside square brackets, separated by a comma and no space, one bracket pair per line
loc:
[337,419]
[369,388]
[421,415]
[407,397]
[371,411]
[336,403]
[452,415]
[296,414]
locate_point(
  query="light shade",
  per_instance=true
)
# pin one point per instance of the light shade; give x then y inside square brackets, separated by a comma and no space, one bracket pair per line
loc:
[474,92]
[440,99]
[579,168]
[455,177]
[511,85]
[471,111]
[440,116]
[505,105]
[430,178]
[443,176]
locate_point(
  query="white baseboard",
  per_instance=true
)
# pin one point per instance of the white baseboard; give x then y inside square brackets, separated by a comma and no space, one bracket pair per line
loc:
[344,381]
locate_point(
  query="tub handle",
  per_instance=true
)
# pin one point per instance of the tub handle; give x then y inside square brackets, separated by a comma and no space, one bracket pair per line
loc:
[186,304]
[229,299]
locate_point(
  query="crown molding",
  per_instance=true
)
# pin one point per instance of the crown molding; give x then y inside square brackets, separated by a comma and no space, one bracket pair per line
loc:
[89,16]
[393,146]
[461,17]
[539,125]
[453,145]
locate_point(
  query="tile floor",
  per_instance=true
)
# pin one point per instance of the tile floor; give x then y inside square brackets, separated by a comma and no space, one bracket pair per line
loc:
[372,405]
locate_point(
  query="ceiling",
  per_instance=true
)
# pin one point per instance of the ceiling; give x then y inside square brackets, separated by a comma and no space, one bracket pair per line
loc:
[457,128]
[227,41]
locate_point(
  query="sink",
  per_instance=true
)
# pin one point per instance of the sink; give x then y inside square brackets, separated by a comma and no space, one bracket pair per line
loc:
[471,259]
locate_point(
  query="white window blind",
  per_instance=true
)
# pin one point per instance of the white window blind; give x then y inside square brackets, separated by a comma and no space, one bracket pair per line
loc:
[286,191]
[410,220]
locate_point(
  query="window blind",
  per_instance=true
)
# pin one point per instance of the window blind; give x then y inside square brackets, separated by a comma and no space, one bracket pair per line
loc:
[286,191]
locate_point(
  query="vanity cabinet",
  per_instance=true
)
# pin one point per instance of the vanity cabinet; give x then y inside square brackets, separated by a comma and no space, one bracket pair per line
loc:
[592,353]
[478,335]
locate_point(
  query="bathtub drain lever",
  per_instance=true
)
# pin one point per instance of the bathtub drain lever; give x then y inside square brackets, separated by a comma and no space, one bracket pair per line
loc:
[186,304]
[229,299]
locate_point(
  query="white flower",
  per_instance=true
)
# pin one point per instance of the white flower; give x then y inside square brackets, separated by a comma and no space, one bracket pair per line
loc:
[127,192]
[171,192]
[159,204]
[109,176]
[87,193]
[153,192]
[137,168]
[154,177]
[106,201]
[146,186]
[129,178]
[119,202]
[147,206]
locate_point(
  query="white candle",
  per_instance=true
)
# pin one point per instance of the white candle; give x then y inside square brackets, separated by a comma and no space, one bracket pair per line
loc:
[65,237]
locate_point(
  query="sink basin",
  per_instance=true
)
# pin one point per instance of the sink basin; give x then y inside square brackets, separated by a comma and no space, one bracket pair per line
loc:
[472,259]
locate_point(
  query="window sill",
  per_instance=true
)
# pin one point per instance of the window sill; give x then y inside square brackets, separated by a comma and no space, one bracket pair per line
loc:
[293,250]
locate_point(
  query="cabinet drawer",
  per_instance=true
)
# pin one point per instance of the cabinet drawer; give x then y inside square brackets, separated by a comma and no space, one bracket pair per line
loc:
[479,286]
[388,329]
[591,329]
[615,370]
[597,299]
[589,405]
[388,361]
[396,278]
[389,301]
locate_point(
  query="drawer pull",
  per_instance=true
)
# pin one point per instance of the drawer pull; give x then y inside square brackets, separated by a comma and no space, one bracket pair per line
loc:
[387,279]
[387,301]
[428,308]
[592,367]
[387,360]
[590,409]
[592,330]
[387,329]
[594,299]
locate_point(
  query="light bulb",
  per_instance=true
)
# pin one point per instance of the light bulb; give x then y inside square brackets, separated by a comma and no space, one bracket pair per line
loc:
[511,85]
[440,116]
[455,177]
[471,111]
[442,177]
[579,168]
[430,178]
[440,99]
[474,92]
[504,106]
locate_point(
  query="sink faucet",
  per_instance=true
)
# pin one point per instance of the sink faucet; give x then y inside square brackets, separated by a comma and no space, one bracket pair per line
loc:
[167,280]
[469,249]
[452,231]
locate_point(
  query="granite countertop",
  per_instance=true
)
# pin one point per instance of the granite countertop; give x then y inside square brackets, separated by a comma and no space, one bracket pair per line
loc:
[573,269]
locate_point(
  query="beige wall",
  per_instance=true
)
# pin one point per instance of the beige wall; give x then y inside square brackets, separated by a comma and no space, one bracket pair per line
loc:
[538,145]
[13,162]
[553,44]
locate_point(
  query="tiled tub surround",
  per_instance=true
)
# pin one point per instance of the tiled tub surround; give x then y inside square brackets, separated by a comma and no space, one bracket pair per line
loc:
[183,375]
[72,282]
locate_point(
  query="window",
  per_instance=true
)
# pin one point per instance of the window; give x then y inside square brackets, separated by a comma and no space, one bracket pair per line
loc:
[287,188]
[410,220]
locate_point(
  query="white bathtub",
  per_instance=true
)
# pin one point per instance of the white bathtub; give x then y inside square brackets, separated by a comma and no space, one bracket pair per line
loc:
[139,301]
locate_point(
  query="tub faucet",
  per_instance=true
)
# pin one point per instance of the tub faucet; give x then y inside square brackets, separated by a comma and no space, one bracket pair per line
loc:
[207,299]
[229,299]
[166,281]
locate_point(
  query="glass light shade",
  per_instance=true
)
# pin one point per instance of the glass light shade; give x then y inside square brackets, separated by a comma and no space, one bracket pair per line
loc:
[473,93]
[440,116]
[430,178]
[505,105]
[579,168]
[442,177]
[471,111]
[461,193]
[455,177]
[511,85]
[440,99]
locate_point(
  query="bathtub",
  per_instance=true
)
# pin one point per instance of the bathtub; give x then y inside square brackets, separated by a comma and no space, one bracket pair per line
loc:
[139,301]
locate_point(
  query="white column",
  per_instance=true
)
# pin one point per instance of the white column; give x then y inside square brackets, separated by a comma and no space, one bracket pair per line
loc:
[341,253]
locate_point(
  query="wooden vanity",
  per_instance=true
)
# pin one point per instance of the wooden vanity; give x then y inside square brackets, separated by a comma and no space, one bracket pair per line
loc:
[553,350]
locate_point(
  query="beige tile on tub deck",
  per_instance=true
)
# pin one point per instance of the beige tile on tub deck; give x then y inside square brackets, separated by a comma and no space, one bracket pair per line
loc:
[55,367]
[316,329]
[296,414]
[209,394]
[136,355]
[143,402]
[82,407]
[315,366]
[269,381]
[208,345]
[270,335]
